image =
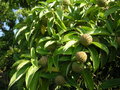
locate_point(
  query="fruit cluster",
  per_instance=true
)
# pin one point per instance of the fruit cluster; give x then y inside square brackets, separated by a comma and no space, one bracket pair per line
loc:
[77,65]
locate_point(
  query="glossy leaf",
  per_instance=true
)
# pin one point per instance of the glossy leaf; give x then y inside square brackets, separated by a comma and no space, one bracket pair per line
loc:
[48,43]
[18,62]
[41,51]
[30,74]
[33,53]
[94,57]
[17,75]
[22,64]
[101,46]
[69,44]
[34,82]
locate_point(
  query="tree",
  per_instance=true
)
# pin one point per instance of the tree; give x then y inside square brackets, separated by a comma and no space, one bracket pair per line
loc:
[68,45]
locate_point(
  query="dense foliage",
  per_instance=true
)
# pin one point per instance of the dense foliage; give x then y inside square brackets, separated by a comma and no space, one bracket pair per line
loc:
[67,44]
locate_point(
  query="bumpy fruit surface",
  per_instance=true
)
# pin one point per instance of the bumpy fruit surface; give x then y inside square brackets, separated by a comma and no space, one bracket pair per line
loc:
[60,80]
[81,56]
[43,61]
[76,67]
[101,3]
[86,39]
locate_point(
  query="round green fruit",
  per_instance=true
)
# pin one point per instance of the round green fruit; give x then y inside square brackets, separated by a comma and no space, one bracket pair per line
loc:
[43,61]
[81,56]
[86,39]
[101,3]
[59,80]
[76,67]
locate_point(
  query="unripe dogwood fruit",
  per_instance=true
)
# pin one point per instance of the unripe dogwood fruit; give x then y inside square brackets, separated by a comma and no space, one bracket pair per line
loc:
[43,61]
[101,3]
[81,56]
[86,39]
[76,67]
[59,80]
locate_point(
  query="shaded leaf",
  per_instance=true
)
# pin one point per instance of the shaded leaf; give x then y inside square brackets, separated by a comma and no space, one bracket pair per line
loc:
[111,10]
[110,83]
[94,57]
[86,74]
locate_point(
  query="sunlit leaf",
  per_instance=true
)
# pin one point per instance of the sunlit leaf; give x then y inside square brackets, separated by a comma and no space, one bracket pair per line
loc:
[17,75]
[30,74]
[69,44]
[101,46]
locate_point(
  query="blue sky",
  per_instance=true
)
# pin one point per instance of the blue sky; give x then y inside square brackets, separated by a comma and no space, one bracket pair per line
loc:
[7,27]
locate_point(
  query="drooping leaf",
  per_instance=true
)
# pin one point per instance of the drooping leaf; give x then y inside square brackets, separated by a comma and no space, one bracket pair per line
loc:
[44,39]
[30,74]
[110,83]
[86,74]
[20,30]
[108,25]
[22,64]
[48,43]
[41,51]
[101,46]
[94,57]
[17,75]
[69,44]
[18,62]
[111,10]
[33,56]
[34,82]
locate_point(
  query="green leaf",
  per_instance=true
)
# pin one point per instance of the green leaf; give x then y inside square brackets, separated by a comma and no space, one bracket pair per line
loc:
[20,30]
[111,10]
[59,22]
[70,36]
[69,44]
[101,46]
[45,84]
[43,12]
[110,83]
[44,39]
[109,28]
[22,64]
[48,75]
[61,51]
[41,51]
[34,82]
[30,74]
[48,43]
[33,56]
[17,75]
[94,57]
[86,74]
[18,62]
